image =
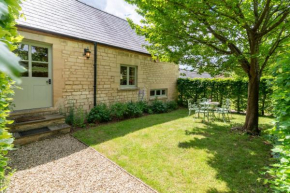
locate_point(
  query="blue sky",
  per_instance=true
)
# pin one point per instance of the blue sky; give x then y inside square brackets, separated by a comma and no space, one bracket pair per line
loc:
[116,7]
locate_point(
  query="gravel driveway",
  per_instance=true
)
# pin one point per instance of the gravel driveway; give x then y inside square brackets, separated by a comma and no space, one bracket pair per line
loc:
[63,164]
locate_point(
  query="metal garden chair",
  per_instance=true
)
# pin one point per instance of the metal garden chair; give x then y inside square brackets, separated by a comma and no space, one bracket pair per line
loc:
[225,110]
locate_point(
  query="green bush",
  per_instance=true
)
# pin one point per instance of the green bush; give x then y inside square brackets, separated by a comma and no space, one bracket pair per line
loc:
[133,110]
[69,117]
[9,12]
[143,105]
[219,89]
[118,110]
[79,118]
[280,134]
[171,105]
[99,113]
[158,107]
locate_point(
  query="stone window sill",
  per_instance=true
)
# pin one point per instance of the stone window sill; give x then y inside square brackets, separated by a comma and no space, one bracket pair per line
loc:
[128,89]
[159,98]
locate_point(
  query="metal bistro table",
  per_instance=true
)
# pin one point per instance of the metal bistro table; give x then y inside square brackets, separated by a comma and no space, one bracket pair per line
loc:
[208,108]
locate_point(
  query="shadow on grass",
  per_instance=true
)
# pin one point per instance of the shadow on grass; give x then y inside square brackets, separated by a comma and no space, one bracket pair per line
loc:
[108,132]
[237,158]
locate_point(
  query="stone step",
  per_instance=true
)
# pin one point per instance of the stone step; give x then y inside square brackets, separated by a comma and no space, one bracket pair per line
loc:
[29,136]
[47,120]
[33,112]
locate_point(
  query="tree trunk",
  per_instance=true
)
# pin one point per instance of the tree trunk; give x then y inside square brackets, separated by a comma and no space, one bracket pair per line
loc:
[252,117]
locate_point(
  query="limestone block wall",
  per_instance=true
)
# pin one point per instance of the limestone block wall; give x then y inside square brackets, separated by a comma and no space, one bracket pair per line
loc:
[73,74]
[150,75]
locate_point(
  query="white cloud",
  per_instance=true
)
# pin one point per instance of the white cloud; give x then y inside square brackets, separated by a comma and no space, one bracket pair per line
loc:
[119,8]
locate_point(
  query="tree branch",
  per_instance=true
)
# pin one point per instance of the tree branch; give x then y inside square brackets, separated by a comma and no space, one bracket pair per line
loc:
[284,16]
[261,18]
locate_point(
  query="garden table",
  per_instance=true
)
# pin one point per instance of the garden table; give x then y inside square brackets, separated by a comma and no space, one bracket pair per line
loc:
[209,107]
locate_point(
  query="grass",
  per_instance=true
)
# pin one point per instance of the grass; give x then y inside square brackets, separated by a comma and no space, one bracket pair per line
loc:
[174,153]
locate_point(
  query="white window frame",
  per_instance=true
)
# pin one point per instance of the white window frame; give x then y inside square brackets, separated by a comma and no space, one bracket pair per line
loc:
[128,76]
[155,93]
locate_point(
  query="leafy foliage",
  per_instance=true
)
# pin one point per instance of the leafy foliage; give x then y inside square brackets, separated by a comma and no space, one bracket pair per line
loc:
[218,36]
[6,139]
[9,62]
[280,134]
[219,89]
[133,110]
[9,68]
[100,113]
[158,107]
[118,110]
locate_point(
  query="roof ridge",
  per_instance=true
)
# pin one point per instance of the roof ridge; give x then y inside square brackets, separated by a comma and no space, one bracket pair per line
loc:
[101,10]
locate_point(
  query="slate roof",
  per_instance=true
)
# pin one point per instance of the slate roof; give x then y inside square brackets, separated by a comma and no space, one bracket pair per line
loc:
[78,20]
[193,74]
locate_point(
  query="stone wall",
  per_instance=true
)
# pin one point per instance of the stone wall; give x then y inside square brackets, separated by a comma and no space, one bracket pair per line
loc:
[73,73]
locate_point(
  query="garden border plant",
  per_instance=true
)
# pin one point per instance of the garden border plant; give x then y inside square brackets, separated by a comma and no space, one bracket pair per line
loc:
[118,111]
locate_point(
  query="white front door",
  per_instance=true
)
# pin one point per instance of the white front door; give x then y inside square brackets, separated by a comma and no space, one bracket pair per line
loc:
[36,86]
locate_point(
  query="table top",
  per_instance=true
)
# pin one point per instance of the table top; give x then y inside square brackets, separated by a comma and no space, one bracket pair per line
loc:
[209,103]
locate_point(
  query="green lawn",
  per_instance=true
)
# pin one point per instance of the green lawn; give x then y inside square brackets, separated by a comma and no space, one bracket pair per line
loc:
[173,153]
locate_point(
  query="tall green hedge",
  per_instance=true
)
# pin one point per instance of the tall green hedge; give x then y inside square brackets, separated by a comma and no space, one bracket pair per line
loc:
[219,89]
[280,134]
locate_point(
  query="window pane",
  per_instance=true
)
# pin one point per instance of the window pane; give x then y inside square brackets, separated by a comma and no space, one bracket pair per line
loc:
[22,51]
[39,69]
[25,65]
[132,78]
[152,93]
[158,92]
[163,92]
[123,80]
[39,54]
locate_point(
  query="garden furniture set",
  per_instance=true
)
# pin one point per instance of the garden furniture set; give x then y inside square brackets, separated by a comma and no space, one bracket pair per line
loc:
[208,109]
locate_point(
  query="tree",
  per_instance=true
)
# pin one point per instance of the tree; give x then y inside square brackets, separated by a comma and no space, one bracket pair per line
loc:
[216,36]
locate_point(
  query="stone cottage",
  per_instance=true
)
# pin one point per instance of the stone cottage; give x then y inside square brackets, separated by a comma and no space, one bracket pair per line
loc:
[75,53]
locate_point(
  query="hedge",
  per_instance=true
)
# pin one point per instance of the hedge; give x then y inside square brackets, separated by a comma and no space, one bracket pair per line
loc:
[280,134]
[219,89]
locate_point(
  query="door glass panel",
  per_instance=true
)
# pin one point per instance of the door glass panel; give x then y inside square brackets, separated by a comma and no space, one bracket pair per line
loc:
[25,65]
[39,69]
[132,76]
[39,54]
[123,75]
[22,51]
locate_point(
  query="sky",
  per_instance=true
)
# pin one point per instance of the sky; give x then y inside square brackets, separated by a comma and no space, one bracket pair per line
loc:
[119,8]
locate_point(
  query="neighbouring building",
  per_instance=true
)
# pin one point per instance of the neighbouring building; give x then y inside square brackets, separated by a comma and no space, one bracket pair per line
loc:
[58,37]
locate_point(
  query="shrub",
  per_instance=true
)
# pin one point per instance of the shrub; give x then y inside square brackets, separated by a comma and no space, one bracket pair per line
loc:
[158,107]
[280,134]
[79,118]
[171,105]
[133,110]
[118,110]
[143,105]
[99,113]
[69,119]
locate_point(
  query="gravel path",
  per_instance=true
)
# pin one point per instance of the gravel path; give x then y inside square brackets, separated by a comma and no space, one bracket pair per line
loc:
[63,164]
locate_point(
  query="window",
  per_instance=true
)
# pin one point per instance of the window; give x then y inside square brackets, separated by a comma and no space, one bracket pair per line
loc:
[34,59]
[157,92]
[128,76]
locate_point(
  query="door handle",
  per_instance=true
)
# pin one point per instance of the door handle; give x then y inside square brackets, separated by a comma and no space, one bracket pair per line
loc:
[48,81]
